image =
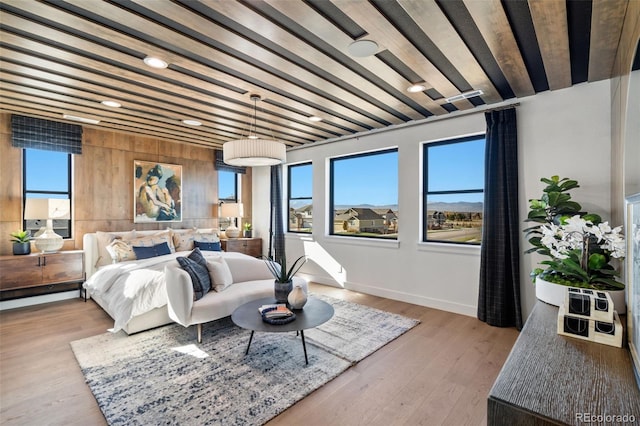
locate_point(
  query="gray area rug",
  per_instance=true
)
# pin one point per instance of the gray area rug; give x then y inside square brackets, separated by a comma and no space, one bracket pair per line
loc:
[163,376]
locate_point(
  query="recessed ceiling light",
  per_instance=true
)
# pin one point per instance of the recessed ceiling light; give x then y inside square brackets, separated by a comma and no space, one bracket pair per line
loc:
[113,104]
[415,88]
[154,62]
[315,118]
[81,119]
[362,48]
[192,122]
[253,137]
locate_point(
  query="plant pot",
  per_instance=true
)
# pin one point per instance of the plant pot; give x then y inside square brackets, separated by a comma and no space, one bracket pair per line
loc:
[554,294]
[22,248]
[247,234]
[282,290]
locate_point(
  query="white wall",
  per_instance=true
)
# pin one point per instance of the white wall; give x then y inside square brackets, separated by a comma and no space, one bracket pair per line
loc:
[566,132]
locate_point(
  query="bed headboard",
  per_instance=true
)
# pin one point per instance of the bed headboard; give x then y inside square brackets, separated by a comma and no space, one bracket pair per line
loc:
[92,254]
[90,246]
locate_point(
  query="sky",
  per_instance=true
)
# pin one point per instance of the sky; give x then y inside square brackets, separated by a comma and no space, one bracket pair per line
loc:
[373,179]
[40,177]
[369,179]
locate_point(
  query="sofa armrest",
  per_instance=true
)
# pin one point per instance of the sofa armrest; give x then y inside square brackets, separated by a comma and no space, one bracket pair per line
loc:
[179,294]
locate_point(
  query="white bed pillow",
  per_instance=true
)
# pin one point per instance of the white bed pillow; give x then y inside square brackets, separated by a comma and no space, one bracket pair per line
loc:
[207,237]
[121,251]
[106,238]
[183,239]
[220,273]
[154,239]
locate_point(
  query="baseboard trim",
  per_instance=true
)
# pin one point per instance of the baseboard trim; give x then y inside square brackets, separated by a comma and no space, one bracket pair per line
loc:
[429,302]
[37,300]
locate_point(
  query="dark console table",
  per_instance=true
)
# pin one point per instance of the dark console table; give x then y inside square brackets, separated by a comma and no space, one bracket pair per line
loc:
[550,379]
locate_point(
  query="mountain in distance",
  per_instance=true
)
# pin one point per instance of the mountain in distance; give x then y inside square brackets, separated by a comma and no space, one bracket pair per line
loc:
[459,206]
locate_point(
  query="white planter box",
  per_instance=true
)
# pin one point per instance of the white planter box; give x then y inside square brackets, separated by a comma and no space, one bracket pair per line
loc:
[554,294]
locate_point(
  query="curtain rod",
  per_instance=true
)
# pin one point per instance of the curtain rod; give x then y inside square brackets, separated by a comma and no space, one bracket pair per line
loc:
[427,120]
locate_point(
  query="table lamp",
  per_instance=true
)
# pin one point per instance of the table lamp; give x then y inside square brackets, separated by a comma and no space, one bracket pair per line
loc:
[49,209]
[232,210]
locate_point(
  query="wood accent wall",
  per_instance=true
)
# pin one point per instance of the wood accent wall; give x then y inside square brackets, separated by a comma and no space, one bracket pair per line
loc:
[103,183]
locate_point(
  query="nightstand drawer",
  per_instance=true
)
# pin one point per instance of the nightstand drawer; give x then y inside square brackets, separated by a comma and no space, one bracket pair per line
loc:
[248,246]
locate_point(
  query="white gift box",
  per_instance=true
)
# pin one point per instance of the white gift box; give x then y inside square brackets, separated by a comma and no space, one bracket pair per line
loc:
[589,304]
[605,332]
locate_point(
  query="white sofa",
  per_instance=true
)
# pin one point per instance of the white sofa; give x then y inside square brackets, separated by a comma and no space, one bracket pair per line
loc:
[251,280]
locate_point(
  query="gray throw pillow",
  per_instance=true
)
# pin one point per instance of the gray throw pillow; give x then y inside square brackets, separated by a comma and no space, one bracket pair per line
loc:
[196,266]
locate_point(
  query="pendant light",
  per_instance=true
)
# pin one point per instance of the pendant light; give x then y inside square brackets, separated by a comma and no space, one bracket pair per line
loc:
[253,151]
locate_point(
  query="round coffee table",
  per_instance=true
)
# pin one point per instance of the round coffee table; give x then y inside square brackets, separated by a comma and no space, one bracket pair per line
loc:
[314,313]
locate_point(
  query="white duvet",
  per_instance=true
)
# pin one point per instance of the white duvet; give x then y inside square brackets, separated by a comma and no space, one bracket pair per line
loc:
[135,287]
[131,288]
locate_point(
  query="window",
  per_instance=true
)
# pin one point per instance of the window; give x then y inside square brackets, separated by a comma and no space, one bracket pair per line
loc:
[300,205]
[454,190]
[47,174]
[227,192]
[364,195]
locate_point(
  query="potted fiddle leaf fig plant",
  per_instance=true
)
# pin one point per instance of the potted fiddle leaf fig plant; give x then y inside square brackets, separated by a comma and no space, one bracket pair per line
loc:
[284,277]
[582,250]
[21,242]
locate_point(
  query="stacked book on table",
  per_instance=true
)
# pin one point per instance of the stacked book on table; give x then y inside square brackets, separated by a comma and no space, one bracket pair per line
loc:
[590,315]
[275,311]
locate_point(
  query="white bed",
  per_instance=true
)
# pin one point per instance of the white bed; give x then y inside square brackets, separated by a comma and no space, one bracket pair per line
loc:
[145,305]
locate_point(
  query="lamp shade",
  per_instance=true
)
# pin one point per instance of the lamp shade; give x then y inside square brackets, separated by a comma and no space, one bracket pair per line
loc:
[254,152]
[232,210]
[47,241]
[47,208]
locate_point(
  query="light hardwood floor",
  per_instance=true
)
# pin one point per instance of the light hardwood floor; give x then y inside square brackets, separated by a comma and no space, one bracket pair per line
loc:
[438,373]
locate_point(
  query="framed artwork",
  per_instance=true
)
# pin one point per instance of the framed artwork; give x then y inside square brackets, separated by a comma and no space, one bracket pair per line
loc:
[157,189]
[633,280]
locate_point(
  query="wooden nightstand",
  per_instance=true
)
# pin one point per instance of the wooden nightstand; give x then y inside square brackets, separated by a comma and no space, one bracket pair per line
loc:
[40,273]
[249,246]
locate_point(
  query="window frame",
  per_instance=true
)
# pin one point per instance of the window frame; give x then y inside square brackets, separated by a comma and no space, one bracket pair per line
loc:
[425,185]
[26,191]
[331,220]
[234,199]
[289,198]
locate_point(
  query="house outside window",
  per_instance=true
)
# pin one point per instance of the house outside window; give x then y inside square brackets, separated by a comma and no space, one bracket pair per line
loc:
[227,192]
[300,198]
[46,174]
[364,195]
[453,198]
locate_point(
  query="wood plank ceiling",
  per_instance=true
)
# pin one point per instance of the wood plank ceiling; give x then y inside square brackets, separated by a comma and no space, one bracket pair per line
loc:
[66,57]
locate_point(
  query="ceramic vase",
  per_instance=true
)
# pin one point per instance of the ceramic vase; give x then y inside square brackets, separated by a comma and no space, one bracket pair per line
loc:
[554,294]
[282,290]
[297,298]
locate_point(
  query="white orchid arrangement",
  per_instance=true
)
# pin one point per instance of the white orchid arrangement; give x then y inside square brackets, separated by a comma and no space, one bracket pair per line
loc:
[581,252]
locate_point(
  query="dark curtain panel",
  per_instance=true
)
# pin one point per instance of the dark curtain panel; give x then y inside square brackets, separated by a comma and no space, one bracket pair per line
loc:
[220,165]
[276,240]
[499,298]
[37,133]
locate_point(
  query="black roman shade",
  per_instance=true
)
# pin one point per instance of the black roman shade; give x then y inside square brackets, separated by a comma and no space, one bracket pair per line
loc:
[220,165]
[38,133]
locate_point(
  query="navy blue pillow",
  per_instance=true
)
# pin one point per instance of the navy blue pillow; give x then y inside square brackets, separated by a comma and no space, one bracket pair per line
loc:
[196,266]
[147,252]
[205,245]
